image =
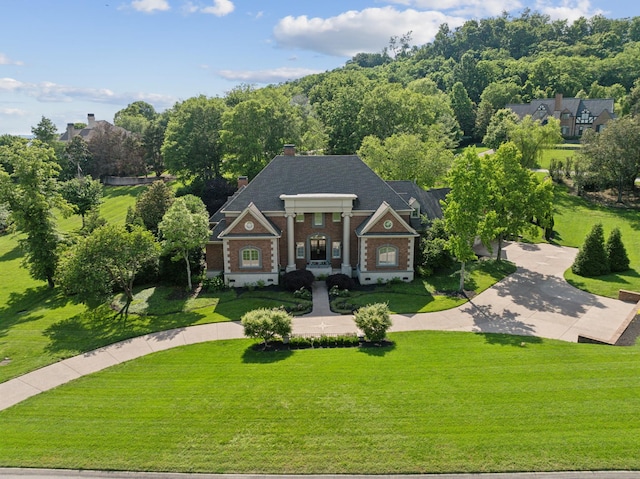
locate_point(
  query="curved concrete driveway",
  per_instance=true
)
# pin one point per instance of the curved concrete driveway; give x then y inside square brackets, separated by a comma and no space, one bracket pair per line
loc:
[534,301]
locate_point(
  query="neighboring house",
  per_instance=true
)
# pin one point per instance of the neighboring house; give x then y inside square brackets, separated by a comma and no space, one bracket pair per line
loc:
[575,115]
[85,133]
[328,214]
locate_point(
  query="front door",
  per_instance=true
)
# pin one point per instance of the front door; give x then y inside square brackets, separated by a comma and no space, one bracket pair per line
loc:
[318,248]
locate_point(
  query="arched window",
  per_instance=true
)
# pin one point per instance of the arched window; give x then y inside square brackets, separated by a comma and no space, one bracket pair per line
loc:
[387,256]
[250,257]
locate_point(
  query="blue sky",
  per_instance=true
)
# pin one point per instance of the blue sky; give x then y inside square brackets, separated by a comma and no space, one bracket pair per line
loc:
[66,58]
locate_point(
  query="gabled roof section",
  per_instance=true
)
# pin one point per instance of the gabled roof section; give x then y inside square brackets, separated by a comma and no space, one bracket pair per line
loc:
[335,174]
[429,199]
[255,214]
[572,105]
[383,210]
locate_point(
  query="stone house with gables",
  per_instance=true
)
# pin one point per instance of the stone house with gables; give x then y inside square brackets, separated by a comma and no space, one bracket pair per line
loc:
[575,115]
[328,214]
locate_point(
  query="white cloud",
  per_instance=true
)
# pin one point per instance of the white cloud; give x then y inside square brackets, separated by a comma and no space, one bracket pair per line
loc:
[48,92]
[150,6]
[275,75]
[570,10]
[220,8]
[5,60]
[12,112]
[467,8]
[367,30]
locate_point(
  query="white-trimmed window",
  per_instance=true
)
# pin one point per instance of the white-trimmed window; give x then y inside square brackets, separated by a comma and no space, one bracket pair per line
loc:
[300,250]
[387,256]
[318,219]
[336,249]
[250,257]
[336,217]
[300,218]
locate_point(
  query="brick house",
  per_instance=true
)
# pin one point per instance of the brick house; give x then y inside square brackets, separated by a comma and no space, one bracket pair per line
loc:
[328,214]
[575,115]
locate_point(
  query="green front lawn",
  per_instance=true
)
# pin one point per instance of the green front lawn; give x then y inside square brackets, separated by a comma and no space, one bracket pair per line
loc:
[575,217]
[424,295]
[434,402]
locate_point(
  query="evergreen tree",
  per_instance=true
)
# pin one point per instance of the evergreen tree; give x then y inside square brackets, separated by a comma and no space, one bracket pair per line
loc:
[616,252]
[592,257]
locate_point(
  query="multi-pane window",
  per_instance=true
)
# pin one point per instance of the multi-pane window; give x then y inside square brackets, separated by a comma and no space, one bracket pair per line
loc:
[387,256]
[336,217]
[300,251]
[336,251]
[300,218]
[318,219]
[250,258]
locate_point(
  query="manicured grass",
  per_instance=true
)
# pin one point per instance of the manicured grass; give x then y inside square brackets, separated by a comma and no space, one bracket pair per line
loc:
[434,402]
[567,151]
[575,217]
[425,295]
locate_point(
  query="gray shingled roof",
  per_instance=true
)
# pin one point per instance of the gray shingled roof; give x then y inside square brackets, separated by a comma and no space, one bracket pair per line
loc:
[429,199]
[574,105]
[339,174]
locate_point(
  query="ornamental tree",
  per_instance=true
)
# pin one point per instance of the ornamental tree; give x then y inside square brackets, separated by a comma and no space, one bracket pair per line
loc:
[109,258]
[266,324]
[184,228]
[616,252]
[373,320]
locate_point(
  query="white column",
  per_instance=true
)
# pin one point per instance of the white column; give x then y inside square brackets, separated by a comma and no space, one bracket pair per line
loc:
[291,245]
[346,240]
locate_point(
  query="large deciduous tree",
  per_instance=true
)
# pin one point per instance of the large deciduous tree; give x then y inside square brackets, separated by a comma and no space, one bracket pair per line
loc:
[614,154]
[152,204]
[463,108]
[110,257]
[75,158]
[192,146]
[31,193]
[514,196]
[184,228]
[407,157]
[531,137]
[464,207]
[256,129]
[45,131]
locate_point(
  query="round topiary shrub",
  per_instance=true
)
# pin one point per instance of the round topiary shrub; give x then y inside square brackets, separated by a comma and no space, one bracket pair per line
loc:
[300,278]
[373,320]
[266,324]
[342,281]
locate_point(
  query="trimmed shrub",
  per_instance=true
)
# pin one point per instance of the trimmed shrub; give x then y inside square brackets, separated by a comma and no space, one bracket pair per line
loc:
[266,324]
[616,252]
[432,254]
[373,320]
[300,278]
[342,281]
[592,257]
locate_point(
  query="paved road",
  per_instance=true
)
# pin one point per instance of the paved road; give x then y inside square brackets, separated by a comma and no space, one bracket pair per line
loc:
[534,301]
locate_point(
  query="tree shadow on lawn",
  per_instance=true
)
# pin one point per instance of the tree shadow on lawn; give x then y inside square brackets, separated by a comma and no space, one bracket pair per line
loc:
[252,355]
[500,328]
[19,306]
[545,293]
[12,254]
[98,327]
[377,350]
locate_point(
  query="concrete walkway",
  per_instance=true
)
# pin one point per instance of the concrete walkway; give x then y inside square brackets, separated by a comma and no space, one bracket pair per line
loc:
[534,301]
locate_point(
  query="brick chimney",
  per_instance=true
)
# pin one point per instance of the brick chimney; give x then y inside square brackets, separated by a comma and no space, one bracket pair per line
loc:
[71,131]
[242,181]
[558,103]
[91,120]
[289,150]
